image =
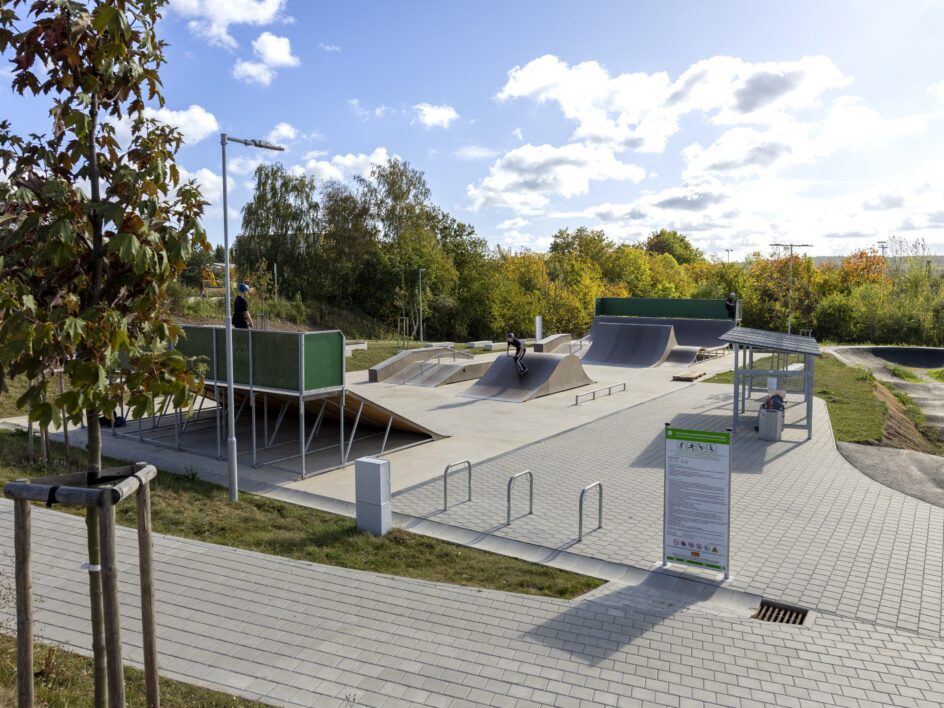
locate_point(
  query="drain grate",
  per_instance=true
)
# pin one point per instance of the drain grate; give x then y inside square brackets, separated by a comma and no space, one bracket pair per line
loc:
[779,613]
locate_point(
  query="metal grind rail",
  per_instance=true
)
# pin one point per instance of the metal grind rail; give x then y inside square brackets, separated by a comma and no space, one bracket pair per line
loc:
[583,494]
[592,395]
[511,484]
[450,468]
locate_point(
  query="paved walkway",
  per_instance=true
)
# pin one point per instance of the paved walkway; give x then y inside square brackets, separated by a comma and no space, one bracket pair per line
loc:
[295,633]
[807,527]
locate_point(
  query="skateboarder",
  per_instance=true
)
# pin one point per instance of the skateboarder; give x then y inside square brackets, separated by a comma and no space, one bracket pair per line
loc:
[241,317]
[513,341]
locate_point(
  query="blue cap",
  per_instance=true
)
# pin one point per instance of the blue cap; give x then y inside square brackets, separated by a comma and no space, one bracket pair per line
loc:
[243,288]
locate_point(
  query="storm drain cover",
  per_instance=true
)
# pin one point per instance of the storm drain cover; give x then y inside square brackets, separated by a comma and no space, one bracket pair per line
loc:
[780,613]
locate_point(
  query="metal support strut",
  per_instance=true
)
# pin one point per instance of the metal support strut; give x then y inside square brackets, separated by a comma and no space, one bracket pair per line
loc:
[446,472]
[511,484]
[583,494]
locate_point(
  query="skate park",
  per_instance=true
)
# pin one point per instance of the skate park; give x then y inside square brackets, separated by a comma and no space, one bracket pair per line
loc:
[793,502]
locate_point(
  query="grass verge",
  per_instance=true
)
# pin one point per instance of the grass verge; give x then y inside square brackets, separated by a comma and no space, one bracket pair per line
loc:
[14,389]
[64,678]
[905,374]
[856,414]
[185,506]
[937,374]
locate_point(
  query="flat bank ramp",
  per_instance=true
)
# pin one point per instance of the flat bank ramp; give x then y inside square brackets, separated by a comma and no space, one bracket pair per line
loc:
[431,374]
[688,332]
[401,360]
[547,374]
[636,345]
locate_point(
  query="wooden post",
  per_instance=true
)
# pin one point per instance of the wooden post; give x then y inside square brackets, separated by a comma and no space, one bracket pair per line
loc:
[44,444]
[106,527]
[148,623]
[24,604]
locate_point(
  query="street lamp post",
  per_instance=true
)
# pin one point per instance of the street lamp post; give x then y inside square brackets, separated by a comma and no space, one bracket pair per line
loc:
[422,338]
[728,251]
[791,246]
[230,414]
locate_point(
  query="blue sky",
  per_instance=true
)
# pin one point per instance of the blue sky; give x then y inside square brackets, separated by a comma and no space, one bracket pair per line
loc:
[738,123]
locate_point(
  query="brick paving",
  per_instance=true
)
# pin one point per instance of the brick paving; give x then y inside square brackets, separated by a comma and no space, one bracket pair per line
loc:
[807,527]
[294,633]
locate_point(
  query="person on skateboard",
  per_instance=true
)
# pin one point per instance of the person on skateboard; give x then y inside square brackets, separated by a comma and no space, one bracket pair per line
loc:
[512,341]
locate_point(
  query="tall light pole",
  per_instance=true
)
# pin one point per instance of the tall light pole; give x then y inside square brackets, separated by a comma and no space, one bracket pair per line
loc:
[422,338]
[728,251]
[791,246]
[883,245]
[230,414]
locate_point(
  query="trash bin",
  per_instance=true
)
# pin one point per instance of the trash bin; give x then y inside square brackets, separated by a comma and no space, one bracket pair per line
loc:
[770,424]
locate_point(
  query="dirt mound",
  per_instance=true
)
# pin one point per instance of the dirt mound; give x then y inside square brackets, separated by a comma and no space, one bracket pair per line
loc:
[898,430]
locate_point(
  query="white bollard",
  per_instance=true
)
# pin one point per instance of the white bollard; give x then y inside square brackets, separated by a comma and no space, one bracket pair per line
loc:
[372,495]
[538,328]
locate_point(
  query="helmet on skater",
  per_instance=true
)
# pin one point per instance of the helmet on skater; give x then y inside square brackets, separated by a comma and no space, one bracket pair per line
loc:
[511,335]
[243,288]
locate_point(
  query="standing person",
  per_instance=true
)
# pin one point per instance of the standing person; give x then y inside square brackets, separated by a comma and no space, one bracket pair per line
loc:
[241,317]
[512,341]
[731,305]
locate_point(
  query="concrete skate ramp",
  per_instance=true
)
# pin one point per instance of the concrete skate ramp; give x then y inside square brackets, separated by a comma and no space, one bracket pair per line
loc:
[401,360]
[684,356]
[636,345]
[554,343]
[875,357]
[688,332]
[547,374]
[430,374]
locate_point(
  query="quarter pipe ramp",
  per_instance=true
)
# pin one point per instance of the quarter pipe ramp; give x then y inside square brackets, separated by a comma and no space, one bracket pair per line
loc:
[547,374]
[636,345]
[688,332]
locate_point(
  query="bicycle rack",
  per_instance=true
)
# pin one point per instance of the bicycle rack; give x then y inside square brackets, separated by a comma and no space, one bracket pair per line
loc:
[446,472]
[511,484]
[583,494]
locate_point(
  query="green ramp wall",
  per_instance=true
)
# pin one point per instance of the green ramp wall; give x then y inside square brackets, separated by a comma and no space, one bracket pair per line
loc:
[700,309]
[293,362]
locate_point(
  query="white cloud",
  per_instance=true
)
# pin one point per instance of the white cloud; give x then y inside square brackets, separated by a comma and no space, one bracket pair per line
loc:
[515,240]
[328,47]
[274,51]
[241,165]
[253,72]
[344,167]
[211,19]
[745,150]
[515,223]
[642,111]
[475,152]
[518,134]
[211,184]
[195,122]
[366,114]
[282,133]
[430,116]
[525,178]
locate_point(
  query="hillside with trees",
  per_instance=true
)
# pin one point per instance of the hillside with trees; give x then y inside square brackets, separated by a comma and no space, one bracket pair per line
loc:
[356,248]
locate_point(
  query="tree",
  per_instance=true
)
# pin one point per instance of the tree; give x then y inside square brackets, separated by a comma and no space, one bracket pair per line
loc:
[84,274]
[280,226]
[673,243]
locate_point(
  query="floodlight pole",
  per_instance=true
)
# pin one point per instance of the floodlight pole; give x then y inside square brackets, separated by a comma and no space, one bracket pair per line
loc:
[791,246]
[230,395]
[728,251]
[422,338]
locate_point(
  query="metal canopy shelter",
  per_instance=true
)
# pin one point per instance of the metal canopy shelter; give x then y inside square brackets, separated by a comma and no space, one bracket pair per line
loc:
[783,347]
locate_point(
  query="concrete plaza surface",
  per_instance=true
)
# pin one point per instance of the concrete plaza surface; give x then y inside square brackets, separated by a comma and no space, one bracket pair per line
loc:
[807,527]
[293,633]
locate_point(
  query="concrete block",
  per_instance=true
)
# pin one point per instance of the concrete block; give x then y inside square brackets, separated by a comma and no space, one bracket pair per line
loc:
[372,480]
[479,344]
[375,518]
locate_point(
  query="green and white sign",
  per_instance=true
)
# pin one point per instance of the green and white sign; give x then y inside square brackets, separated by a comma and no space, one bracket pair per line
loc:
[697,523]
